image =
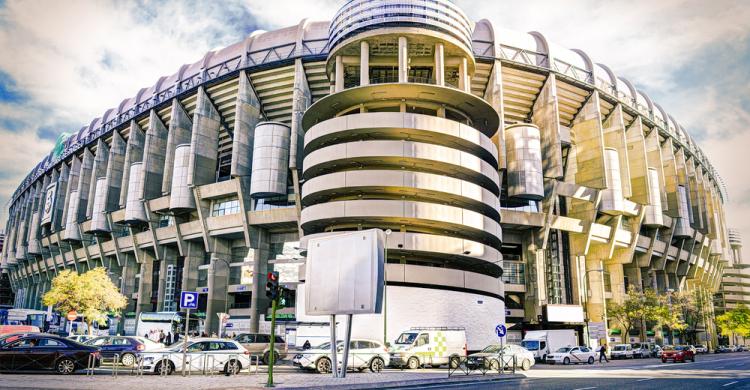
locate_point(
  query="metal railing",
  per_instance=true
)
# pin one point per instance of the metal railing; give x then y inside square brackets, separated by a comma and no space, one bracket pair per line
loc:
[321,362]
[500,364]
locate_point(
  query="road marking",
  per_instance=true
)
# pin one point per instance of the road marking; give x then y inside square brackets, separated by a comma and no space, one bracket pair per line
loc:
[727,384]
[644,379]
[585,388]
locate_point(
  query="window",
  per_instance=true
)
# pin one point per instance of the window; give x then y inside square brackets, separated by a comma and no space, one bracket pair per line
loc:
[225,206]
[120,341]
[100,341]
[513,273]
[49,343]
[224,168]
[423,339]
[262,338]
[246,339]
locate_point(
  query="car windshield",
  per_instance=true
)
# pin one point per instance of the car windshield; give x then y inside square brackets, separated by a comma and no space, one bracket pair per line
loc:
[406,338]
[531,345]
[492,349]
[680,348]
[620,347]
[563,350]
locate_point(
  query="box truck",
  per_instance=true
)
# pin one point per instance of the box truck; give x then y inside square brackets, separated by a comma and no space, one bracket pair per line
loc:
[543,342]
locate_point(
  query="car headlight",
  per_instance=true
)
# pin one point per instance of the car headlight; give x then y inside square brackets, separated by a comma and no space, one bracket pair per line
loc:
[148,359]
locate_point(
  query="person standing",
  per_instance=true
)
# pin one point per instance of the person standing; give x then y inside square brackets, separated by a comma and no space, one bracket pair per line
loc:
[603,353]
[168,339]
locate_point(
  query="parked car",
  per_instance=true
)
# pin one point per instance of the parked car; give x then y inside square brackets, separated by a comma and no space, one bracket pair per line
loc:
[80,338]
[722,349]
[363,354]
[622,351]
[492,356]
[10,337]
[434,346]
[260,344]
[224,355]
[568,355]
[661,351]
[642,350]
[46,352]
[125,347]
[680,353]
[700,348]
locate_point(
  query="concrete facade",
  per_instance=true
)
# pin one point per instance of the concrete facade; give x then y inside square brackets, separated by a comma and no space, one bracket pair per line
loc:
[409,124]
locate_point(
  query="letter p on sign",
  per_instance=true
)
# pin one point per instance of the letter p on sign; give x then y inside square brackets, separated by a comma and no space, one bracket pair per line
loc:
[189,300]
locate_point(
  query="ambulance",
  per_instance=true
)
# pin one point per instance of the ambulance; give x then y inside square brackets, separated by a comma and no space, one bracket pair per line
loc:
[433,346]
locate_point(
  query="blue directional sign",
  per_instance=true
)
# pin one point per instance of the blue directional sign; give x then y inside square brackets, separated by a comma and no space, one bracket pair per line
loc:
[189,300]
[500,330]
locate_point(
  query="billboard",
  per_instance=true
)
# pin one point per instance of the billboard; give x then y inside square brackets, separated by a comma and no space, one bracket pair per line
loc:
[344,273]
[564,313]
[49,203]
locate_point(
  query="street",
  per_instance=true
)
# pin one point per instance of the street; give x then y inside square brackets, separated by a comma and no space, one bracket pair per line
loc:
[714,371]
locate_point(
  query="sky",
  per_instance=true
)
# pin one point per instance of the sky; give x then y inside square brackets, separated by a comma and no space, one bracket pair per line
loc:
[63,64]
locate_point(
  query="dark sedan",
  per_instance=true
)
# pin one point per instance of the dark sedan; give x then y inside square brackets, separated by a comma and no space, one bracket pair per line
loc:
[45,352]
[126,347]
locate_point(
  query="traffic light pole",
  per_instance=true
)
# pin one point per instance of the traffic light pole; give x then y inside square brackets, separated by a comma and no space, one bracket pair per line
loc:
[271,356]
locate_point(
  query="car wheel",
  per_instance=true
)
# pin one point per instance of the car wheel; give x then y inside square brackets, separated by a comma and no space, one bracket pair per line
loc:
[566,361]
[128,360]
[454,362]
[591,360]
[377,364]
[232,367]
[412,363]
[693,359]
[526,364]
[164,369]
[267,355]
[323,365]
[65,366]
[494,365]
[663,360]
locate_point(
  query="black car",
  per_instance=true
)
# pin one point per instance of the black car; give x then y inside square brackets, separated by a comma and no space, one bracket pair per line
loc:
[46,352]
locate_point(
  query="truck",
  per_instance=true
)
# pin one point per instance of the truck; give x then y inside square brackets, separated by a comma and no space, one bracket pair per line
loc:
[543,342]
[432,346]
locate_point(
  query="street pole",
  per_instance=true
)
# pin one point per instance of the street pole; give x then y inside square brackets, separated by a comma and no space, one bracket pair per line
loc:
[273,339]
[385,290]
[185,340]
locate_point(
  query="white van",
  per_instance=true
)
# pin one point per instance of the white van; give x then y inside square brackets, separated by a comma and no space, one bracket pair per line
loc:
[436,346]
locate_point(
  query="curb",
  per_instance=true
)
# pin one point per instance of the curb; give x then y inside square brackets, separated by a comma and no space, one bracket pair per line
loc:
[413,382]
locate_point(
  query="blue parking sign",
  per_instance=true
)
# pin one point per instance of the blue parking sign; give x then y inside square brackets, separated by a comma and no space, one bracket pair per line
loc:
[500,330]
[189,300]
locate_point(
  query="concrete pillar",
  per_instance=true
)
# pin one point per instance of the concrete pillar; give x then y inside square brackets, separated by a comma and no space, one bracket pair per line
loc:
[145,285]
[169,257]
[248,115]
[439,64]
[403,60]
[101,166]
[180,126]
[154,151]
[218,280]
[127,283]
[193,259]
[133,154]
[339,74]
[364,63]
[546,116]
[258,301]
[204,143]
[596,306]
[463,75]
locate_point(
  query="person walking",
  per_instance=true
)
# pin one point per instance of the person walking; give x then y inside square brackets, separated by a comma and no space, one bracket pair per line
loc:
[168,339]
[306,345]
[603,353]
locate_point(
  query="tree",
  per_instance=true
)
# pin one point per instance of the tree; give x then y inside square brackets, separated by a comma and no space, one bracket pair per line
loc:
[638,306]
[672,312]
[735,322]
[91,294]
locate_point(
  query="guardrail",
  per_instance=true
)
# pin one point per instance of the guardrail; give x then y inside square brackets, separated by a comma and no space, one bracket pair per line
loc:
[359,361]
[501,364]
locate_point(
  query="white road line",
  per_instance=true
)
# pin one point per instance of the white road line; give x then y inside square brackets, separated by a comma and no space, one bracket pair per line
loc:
[644,379]
[585,388]
[727,384]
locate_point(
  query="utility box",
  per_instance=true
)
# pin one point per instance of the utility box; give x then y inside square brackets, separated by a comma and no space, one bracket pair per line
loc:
[344,273]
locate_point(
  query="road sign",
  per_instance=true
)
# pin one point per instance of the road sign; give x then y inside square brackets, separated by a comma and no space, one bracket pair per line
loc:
[500,330]
[189,300]
[72,315]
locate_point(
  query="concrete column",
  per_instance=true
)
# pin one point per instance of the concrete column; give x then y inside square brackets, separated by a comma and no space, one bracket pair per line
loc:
[133,154]
[403,60]
[218,279]
[100,167]
[339,74]
[364,63]
[193,259]
[596,304]
[154,150]
[439,64]
[258,300]
[463,75]
[248,115]
[145,285]
[204,144]
[180,126]
[127,283]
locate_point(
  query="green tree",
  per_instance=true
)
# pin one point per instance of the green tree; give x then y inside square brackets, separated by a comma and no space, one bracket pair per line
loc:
[91,294]
[735,322]
[637,307]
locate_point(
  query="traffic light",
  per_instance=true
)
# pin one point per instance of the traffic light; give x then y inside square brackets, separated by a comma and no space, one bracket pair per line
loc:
[272,285]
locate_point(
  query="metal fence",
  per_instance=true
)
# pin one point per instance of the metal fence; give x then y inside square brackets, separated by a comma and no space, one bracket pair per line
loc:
[499,364]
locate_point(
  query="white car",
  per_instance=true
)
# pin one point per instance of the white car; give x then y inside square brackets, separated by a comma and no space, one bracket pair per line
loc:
[220,355]
[492,356]
[622,351]
[363,354]
[568,355]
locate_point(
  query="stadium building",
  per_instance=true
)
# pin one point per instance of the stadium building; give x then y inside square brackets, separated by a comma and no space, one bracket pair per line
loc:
[523,182]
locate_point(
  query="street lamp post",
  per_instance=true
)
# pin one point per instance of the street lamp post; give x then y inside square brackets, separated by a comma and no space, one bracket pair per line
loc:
[586,300]
[385,289]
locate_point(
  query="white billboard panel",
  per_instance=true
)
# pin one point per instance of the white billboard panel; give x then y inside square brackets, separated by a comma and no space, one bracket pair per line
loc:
[564,313]
[344,273]
[49,203]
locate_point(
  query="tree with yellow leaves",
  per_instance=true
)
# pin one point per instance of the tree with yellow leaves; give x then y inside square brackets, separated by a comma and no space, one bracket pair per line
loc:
[91,294]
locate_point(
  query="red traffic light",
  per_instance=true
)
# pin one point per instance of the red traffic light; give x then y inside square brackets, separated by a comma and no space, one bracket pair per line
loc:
[273,276]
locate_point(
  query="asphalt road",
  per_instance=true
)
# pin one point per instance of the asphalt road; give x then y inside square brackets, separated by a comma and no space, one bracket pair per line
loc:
[724,371]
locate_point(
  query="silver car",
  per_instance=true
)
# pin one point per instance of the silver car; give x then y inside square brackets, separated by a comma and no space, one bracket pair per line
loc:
[492,356]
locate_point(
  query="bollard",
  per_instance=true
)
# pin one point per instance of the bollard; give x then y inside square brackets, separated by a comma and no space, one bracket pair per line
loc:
[138,366]
[91,365]
[115,364]
[208,367]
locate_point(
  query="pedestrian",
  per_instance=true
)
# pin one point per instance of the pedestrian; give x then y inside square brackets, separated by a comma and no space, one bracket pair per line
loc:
[168,340]
[162,336]
[306,345]
[603,353]
[213,334]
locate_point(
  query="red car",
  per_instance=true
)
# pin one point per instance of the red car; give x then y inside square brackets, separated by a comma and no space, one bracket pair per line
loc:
[680,353]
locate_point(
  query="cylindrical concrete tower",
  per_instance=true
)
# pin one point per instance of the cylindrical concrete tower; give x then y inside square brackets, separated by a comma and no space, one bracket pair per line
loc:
[182,196]
[402,144]
[524,171]
[270,159]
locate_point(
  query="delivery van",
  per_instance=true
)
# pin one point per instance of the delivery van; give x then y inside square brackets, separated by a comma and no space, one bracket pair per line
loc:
[433,346]
[543,342]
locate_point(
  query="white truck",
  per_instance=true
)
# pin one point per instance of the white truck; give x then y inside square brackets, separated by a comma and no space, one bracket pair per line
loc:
[432,346]
[543,342]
